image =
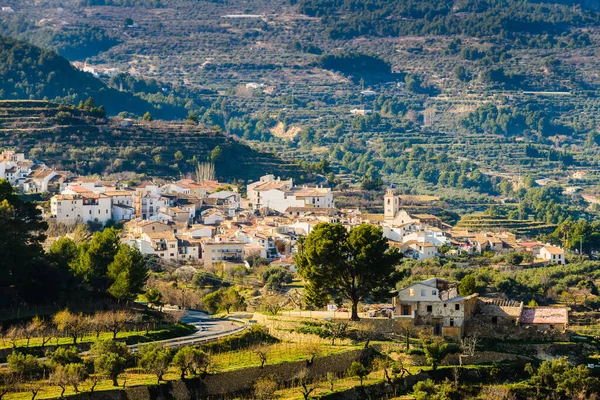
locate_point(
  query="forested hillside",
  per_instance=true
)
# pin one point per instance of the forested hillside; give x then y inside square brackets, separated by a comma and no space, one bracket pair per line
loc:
[29,72]
[515,19]
[71,139]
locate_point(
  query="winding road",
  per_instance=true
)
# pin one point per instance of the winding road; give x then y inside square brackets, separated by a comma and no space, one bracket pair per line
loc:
[207,329]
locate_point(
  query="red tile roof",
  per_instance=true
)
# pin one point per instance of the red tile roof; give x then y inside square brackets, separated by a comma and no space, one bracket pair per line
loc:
[545,315]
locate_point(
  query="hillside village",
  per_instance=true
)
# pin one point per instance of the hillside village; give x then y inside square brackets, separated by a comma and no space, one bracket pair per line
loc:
[205,224]
[209,222]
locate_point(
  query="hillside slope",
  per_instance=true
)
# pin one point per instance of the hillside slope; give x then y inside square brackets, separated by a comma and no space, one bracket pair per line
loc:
[478,18]
[70,139]
[29,72]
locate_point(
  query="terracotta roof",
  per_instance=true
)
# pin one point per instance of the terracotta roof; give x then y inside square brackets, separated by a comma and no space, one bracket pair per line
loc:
[42,174]
[554,250]
[529,244]
[118,193]
[424,216]
[161,235]
[271,186]
[545,315]
[310,192]
[422,244]
[78,189]
[144,184]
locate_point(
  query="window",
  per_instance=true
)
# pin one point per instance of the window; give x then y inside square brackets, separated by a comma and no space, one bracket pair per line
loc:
[411,292]
[434,292]
[423,293]
[451,321]
[457,307]
[494,320]
[429,308]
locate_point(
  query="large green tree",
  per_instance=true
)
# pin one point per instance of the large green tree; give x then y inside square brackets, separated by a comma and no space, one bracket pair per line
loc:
[355,264]
[95,257]
[127,273]
[110,358]
[22,232]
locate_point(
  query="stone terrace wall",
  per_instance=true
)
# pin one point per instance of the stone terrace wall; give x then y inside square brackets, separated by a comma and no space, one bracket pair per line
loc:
[233,384]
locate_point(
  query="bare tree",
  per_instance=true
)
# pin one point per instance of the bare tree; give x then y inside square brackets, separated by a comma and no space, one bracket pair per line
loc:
[8,383]
[94,380]
[456,376]
[406,326]
[117,321]
[13,334]
[265,388]
[37,327]
[468,346]
[312,351]
[336,330]
[272,303]
[68,375]
[69,323]
[34,388]
[96,323]
[205,172]
[307,385]
[262,352]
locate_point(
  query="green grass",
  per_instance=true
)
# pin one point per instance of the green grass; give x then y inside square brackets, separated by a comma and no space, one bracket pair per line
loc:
[130,337]
[226,361]
[277,353]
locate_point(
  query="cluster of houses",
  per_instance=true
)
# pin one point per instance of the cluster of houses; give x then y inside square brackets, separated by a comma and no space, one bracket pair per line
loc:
[27,175]
[420,236]
[435,305]
[208,223]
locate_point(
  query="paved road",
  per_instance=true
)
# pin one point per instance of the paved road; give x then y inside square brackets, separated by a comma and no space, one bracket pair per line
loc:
[208,329]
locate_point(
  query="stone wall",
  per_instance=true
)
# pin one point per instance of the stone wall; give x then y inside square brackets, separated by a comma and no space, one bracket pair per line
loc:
[232,384]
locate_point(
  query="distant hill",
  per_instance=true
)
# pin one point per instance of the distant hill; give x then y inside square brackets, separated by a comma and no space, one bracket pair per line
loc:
[480,18]
[70,139]
[29,72]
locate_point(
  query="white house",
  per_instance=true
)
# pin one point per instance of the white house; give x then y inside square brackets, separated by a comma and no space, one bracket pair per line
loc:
[418,250]
[436,303]
[213,217]
[148,204]
[231,199]
[200,231]
[122,212]
[39,181]
[72,208]
[280,195]
[553,254]
[214,252]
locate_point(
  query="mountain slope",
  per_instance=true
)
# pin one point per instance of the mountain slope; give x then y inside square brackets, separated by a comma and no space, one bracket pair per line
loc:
[478,18]
[71,139]
[29,72]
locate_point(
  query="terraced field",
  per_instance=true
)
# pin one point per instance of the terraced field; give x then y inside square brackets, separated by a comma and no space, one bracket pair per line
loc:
[77,142]
[487,223]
